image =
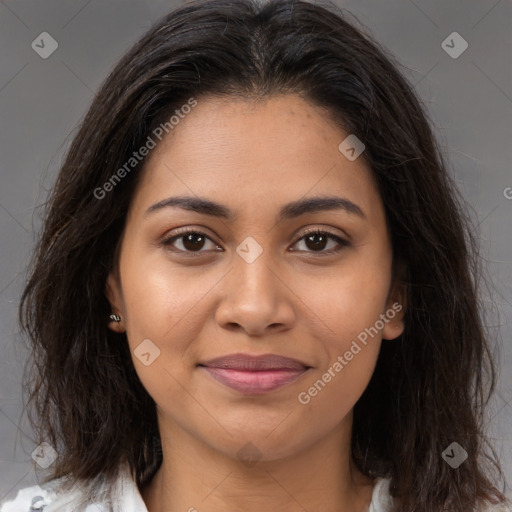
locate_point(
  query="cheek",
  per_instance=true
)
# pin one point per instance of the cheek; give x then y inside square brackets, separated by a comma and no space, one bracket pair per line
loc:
[163,301]
[163,305]
[333,391]
[347,301]
[349,347]
[348,309]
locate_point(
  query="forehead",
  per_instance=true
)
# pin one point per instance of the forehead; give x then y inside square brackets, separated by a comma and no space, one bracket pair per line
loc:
[247,153]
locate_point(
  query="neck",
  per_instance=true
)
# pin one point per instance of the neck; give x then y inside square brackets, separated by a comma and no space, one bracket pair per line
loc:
[195,477]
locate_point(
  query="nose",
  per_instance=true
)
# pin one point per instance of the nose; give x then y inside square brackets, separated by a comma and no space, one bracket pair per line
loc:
[256,297]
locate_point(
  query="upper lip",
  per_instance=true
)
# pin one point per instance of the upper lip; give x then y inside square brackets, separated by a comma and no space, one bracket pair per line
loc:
[256,363]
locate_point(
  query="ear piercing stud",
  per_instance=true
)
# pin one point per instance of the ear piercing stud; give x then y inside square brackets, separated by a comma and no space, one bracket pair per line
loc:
[115,318]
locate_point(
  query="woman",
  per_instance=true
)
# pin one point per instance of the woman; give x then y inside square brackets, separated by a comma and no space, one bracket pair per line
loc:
[255,288]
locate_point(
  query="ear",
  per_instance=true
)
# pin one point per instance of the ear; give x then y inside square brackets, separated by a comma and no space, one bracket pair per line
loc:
[395,311]
[113,293]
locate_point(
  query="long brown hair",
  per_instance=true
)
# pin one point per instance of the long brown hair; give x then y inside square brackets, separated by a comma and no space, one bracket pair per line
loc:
[429,388]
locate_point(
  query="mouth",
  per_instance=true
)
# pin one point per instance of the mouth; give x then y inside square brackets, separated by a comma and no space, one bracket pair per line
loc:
[254,375]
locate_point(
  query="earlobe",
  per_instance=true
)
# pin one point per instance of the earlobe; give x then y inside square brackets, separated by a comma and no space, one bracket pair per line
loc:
[393,330]
[112,292]
[395,313]
[395,326]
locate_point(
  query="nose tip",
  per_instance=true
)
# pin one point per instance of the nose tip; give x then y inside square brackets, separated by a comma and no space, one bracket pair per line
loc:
[254,300]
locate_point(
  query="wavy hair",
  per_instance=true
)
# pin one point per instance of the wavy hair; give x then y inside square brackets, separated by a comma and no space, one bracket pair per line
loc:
[429,389]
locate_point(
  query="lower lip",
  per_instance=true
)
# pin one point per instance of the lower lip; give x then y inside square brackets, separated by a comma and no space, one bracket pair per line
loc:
[254,382]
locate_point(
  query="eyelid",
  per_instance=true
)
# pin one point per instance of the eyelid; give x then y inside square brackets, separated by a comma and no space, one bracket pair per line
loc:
[327,231]
[166,240]
[343,241]
[200,230]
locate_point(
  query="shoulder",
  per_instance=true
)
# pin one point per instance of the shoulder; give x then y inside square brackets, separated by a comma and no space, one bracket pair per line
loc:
[54,496]
[27,500]
[382,501]
[51,497]
[97,495]
[381,498]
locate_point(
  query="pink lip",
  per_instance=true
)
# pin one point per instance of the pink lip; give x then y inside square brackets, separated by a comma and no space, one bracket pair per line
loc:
[254,375]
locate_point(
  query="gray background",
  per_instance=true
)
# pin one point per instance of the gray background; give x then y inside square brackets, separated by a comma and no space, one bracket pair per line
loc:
[42,100]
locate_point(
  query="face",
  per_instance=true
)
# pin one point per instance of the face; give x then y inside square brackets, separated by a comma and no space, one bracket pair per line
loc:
[255,280]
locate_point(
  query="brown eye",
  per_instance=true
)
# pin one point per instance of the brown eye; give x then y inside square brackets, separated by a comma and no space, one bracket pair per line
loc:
[193,241]
[190,241]
[317,240]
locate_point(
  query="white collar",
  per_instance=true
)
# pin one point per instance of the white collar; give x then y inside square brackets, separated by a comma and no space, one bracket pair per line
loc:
[122,496]
[130,500]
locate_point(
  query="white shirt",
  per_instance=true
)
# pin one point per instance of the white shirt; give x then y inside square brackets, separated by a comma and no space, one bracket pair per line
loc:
[123,496]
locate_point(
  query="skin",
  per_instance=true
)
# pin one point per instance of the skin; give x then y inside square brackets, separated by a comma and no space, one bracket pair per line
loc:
[294,300]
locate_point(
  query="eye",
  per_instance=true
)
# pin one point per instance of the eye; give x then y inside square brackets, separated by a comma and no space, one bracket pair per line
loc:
[317,240]
[190,241]
[193,241]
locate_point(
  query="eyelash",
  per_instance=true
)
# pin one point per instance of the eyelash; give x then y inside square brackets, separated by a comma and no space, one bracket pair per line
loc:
[167,241]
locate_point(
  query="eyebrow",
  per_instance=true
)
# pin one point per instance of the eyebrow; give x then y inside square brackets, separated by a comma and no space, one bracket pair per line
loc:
[288,211]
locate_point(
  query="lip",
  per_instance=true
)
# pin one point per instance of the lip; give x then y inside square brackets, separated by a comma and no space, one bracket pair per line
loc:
[255,375]
[248,362]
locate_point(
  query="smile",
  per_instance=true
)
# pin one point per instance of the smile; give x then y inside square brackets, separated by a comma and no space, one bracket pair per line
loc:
[254,382]
[254,375]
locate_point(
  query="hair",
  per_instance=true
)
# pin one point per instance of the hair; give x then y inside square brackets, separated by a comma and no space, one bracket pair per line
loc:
[429,388]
